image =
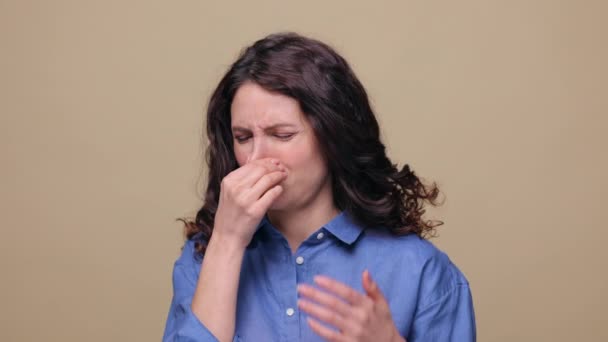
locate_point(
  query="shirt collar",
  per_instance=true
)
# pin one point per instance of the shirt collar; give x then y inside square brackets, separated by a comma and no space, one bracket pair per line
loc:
[342,226]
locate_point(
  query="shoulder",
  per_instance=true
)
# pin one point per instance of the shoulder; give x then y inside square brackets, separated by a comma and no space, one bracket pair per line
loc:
[422,260]
[411,247]
[187,266]
[189,256]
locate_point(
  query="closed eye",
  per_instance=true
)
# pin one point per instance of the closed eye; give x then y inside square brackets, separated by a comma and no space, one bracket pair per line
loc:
[284,136]
[242,139]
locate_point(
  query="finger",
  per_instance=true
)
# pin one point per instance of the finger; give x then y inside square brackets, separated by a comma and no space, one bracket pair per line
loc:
[371,288]
[324,298]
[250,173]
[262,205]
[265,183]
[323,313]
[340,289]
[247,170]
[324,332]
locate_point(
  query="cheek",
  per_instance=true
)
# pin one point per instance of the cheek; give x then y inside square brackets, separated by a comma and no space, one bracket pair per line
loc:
[296,159]
[306,166]
[240,155]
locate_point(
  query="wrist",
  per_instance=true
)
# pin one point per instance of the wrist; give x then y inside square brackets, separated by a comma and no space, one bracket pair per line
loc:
[227,242]
[397,337]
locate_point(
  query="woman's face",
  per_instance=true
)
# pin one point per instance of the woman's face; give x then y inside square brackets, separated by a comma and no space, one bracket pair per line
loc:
[272,125]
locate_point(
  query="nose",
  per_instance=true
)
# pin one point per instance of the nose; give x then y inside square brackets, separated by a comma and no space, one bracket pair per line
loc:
[259,150]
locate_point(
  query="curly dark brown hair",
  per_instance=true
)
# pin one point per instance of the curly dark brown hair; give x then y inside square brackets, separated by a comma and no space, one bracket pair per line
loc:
[366,184]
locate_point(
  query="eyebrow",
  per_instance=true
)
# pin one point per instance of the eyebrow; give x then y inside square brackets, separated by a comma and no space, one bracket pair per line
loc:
[279,125]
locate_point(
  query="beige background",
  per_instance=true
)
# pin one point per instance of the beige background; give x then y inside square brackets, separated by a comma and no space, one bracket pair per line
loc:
[503,103]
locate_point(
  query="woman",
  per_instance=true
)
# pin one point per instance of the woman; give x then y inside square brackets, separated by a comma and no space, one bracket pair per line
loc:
[308,232]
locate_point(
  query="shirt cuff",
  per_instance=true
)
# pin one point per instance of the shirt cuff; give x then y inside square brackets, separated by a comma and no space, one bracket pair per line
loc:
[191,329]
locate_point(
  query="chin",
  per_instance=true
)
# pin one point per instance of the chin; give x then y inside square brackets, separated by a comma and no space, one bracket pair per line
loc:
[281,203]
[278,204]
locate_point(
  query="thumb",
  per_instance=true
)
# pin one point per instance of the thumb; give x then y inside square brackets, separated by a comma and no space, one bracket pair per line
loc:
[370,286]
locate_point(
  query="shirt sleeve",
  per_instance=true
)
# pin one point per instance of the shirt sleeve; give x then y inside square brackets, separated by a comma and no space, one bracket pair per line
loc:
[445,312]
[182,325]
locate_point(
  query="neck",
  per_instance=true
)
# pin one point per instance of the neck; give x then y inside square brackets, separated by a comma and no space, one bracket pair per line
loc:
[298,224]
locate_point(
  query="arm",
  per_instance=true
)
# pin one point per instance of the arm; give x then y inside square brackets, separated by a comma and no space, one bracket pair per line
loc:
[214,301]
[182,324]
[446,313]
[450,318]
[205,309]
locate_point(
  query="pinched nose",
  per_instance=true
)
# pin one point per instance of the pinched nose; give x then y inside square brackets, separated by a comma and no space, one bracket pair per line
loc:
[259,150]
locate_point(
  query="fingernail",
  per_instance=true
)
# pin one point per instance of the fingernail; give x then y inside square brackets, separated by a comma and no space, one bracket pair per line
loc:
[371,280]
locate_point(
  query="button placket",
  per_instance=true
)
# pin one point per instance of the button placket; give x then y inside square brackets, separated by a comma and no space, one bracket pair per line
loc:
[300,260]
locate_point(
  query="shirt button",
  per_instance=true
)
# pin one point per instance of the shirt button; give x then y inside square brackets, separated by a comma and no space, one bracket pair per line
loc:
[299,260]
[320,236]
[289,311]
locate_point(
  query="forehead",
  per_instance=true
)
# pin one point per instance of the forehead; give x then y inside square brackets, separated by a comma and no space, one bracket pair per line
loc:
[253,105]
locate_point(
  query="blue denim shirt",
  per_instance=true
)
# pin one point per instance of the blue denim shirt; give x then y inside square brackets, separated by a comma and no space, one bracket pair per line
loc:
[429,297]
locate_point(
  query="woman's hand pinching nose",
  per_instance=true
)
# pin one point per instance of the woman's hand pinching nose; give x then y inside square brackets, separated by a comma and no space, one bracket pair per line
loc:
[245,196]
